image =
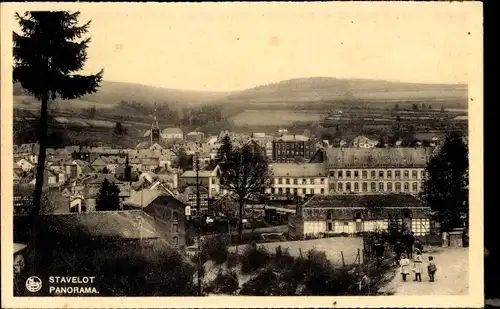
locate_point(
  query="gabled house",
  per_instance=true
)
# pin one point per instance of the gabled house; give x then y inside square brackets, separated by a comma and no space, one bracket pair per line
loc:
[167,211]
[25,165]
[207,179]
[172,134]
[99,164]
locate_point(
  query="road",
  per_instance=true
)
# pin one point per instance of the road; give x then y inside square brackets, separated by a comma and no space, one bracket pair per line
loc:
[452,276]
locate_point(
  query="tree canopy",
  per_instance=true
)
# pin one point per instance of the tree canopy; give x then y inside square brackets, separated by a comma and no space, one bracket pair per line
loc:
[446,187]
[109,197]
[243,172]
[48,53]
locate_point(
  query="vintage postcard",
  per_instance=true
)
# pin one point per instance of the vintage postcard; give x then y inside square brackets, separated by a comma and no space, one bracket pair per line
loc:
[242,155]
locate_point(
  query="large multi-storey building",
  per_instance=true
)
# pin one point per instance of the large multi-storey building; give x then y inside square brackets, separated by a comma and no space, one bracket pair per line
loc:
[379,170]
[290,148]
[295,179]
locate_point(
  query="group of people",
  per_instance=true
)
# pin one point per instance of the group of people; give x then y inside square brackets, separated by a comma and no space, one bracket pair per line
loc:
[418,267]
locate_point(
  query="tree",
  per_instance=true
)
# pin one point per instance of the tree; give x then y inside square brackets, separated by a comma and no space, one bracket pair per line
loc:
[445,188]
[119,129]
[225,149]
[184,161]
[47,56]
[109,197]
[244,173]
[415,107]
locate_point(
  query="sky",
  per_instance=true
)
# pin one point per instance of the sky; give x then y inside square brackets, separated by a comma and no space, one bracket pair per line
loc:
[234,46]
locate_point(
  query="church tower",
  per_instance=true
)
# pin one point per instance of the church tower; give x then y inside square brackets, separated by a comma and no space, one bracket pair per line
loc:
[155,130]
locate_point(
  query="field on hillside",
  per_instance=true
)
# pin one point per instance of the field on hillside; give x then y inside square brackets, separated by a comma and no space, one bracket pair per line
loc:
[30,103]
[275,117]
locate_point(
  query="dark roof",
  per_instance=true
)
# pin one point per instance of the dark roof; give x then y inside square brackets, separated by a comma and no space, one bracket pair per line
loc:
[377,157]
[362,201]
[105,225]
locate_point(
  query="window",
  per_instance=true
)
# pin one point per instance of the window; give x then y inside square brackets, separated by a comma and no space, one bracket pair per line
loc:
[380,174]
[356,174]
[176,241]
[175,228]
[340,187]
[332,175]
[358,215]
[322,191]
[372,174]
[295,190]
[381,186]
[422,174]
[304,181]
[389,174]
[304,191]
[364,174]
[329,215]
[312,181]
[389,186]
[272,190]
[407,187]
[346,223]
[287,181]
[406,174]
[414,187]
[373,186]
[356,186]
[280,181]
[287,190]
[348,186]
[365,186]
[295,181]
[397,174]
[414,174]
[348,174]
[312,191]
[322,181]
[398,187]
[280,190]
[339,174]
[330,227]
[175,216]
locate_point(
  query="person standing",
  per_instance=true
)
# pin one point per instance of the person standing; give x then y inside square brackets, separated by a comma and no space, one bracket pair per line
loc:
[404,262]
[431,269]
[364,284]
[417,266]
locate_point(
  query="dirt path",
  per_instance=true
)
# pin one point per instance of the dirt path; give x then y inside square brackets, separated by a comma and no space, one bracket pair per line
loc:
[452,277]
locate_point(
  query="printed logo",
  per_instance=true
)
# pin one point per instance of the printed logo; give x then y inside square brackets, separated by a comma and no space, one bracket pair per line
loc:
[33,284]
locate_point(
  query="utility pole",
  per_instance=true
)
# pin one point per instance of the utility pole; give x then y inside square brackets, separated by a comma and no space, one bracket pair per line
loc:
[198,212]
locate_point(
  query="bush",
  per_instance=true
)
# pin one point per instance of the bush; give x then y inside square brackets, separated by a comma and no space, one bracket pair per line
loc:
[215,249]
[254,258]
[224,283]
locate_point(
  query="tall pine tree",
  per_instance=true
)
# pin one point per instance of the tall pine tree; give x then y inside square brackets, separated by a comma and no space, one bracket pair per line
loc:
[109,197]
[446,187]
[48,53]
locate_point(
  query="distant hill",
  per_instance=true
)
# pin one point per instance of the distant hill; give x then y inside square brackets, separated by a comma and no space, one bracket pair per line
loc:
[114,92]
[293,91]
[314,89]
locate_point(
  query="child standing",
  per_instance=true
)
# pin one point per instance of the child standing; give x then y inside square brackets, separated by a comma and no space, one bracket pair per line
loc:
[405,266]
[417,266]
[431,268]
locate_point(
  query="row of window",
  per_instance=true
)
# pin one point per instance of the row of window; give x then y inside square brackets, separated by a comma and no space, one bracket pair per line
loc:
[296,191]
[292,152]
[381,174]
[373,187]
[295,181]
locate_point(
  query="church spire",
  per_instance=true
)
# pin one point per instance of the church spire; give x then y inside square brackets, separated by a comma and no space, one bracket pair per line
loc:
[155,129]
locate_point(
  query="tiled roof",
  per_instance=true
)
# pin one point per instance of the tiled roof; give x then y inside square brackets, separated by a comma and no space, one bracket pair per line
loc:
[377,157]
[101,225]
[381,200]
[193,174]
[298,170]
[100,179]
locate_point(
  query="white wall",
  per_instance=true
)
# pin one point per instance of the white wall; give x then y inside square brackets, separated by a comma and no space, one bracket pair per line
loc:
[419,226]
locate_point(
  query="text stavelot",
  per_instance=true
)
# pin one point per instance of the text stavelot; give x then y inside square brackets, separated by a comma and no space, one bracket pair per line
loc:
[72,285]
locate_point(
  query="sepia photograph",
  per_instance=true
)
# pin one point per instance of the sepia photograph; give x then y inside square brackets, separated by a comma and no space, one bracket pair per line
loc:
[188,155]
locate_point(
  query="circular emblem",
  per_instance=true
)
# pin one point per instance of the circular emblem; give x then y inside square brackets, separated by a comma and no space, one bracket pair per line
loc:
[33,284]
